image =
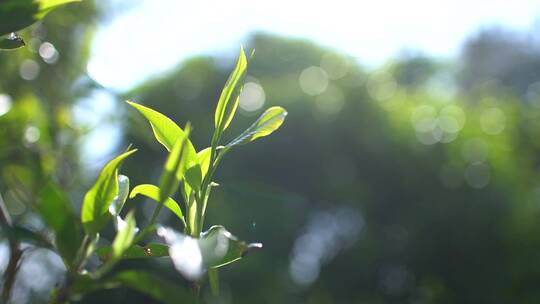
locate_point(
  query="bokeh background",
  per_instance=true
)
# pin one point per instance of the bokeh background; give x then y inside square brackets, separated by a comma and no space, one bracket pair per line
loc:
[407,170]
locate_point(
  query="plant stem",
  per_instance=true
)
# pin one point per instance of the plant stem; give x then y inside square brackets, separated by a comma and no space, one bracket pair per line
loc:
[14,256]
[155,214]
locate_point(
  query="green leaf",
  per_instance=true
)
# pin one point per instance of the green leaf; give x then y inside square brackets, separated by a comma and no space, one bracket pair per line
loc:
[11,42]
[165,130]
[56,211]
[18,14]
[215,248]
[267,123]
[194,177]
[152,192]
[151,250]
[124,237]
[154,286]
[228,101]
[175,167]
[94,213]
[204,160]
[123,191]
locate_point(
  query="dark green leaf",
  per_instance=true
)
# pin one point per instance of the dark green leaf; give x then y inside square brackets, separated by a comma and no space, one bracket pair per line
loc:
[57,212]
[11,42]
[18,14]
[95,208]
[267,123]
[24,235]
[151,250]
[152,192]
[154,286]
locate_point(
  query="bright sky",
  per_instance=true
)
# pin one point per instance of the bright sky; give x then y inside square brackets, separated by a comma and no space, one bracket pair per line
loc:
[155,36]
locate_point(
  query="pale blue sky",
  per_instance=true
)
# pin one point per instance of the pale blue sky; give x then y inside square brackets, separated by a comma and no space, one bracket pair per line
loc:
[156,35]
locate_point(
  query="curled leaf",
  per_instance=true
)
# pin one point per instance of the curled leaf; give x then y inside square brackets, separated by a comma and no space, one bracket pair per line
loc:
[215,248]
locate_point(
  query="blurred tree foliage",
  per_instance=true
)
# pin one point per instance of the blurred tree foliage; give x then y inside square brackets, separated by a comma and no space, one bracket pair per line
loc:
[444,178]
[413,183]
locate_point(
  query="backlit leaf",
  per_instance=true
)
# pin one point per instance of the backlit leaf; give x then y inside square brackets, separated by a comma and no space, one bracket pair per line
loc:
[95,208]
[165,130]
[152,192]
[175,167]
[228,100]
[267,123]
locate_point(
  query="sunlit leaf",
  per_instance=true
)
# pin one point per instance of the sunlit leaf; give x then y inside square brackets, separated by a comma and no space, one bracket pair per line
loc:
[152,192]
[175,167]
[56,210]
[124,237]
[151,250]
[18,14]
[204,160]
[165,130]
[95,208]
[228,100]
[215,248]
[11,42]
[267,123]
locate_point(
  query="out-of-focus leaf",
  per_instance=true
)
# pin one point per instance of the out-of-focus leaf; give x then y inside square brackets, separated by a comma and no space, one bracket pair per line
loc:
[23,234]
[18,14]
[151,250]
[152,192]
[124,237]
[154,286]
[174,169]
[11,42]
[228,103]
[215,248]
[57,212]
[94,213]
[165,130]
[123,191]
[267,123]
